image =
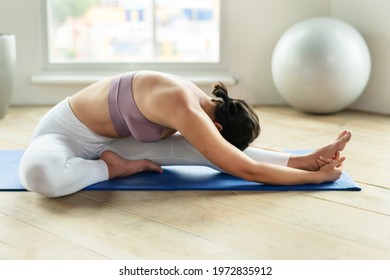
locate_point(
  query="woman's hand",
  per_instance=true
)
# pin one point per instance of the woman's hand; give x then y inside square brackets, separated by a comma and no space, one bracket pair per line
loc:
[331,169]
[322,161]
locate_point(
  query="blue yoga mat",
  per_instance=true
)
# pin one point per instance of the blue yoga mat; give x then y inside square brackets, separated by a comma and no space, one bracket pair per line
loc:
[173,178]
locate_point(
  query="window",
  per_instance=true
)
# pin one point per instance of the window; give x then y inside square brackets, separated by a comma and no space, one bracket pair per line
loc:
[111,33]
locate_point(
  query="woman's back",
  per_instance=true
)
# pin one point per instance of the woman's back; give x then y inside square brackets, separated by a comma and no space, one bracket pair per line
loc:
[154,94]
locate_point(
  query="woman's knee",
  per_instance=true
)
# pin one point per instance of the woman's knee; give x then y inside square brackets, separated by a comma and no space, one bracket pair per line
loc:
[39,176]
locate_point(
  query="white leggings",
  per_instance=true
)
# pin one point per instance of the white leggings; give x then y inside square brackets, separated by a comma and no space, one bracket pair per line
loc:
[63,156]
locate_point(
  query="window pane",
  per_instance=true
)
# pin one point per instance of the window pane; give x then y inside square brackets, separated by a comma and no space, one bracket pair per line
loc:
[112,31]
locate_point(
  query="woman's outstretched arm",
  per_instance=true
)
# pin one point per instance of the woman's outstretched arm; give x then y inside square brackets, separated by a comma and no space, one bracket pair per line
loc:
[199,130]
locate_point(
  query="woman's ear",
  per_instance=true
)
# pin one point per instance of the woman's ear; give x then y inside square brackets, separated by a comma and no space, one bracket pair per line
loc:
[218,126]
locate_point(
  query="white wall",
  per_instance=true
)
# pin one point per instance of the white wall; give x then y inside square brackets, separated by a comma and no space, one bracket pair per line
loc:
[371,18]
[23,18]
[254,26]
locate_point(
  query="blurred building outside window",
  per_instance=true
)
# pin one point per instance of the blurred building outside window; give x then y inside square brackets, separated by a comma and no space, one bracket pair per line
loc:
[128,31]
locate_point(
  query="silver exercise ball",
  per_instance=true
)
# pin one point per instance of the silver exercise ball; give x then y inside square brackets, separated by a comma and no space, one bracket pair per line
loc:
[321,65]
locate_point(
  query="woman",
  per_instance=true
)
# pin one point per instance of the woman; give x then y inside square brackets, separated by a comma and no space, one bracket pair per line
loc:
[124,125]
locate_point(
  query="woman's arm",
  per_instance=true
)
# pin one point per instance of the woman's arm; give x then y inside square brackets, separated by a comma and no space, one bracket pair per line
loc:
[199,130]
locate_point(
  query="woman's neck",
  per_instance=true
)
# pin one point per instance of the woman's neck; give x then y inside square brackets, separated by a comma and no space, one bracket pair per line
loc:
[209,107]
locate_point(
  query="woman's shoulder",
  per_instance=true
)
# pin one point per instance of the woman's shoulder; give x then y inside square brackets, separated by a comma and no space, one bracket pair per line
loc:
[161,94]
[165,85]
[154,75]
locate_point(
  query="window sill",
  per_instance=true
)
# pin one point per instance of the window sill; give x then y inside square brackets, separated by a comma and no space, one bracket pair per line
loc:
[74,78]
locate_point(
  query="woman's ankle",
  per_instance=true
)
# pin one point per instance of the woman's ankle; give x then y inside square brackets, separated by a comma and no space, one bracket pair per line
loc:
[304,162]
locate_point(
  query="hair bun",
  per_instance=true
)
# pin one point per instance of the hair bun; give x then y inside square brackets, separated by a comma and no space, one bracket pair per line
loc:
[221,92]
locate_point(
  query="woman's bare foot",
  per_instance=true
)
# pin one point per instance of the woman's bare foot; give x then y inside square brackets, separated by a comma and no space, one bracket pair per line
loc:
[331,151]
[120,167]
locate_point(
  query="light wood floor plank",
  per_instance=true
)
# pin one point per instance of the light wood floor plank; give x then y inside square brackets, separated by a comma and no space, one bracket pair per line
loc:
[107,231]
[187,212]
[260,224]
[328,217]
[371,198]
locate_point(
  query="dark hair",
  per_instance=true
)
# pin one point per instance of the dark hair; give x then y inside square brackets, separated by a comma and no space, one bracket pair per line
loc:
[240,124]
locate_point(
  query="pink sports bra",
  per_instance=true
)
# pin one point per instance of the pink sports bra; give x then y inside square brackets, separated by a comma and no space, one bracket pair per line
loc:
[126,117]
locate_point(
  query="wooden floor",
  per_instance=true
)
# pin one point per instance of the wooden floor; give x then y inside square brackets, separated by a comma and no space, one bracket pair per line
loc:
[214,225]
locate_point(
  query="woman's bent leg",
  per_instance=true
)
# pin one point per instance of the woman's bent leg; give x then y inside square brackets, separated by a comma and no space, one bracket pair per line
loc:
[51,167]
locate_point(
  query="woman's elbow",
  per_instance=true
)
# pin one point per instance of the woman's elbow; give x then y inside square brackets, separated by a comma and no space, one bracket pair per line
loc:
[256,173]
[249,174]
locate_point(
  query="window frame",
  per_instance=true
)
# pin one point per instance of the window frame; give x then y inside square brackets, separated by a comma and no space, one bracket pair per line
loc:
[220,66]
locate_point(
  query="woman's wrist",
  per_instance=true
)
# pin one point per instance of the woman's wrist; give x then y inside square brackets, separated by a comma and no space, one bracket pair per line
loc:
[315,177]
